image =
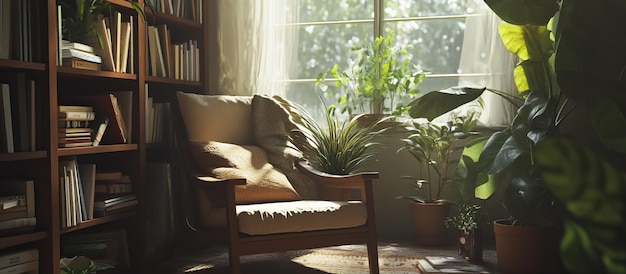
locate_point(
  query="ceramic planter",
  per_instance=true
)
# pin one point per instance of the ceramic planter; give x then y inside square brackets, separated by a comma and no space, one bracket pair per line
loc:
[428,222]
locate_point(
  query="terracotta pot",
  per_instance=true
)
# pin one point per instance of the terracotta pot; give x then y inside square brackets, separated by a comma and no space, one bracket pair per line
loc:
[526,249]
[428,222]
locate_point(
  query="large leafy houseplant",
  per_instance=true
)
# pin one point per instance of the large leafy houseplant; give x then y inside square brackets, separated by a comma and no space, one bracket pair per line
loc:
[432,146]
[380,80]
[586,66]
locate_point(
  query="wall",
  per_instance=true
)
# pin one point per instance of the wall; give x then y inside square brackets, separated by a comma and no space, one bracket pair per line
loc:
[393,218]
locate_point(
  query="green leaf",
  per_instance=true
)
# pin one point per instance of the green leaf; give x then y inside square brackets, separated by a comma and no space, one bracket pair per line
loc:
[578,252]
[436,103]
[609,122]
[536,12]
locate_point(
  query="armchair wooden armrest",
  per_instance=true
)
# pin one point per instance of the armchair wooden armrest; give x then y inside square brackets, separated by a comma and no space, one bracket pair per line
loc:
[352,181]
[361,181]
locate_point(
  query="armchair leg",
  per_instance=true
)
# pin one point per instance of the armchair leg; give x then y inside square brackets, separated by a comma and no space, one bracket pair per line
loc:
[234,262]
[372,256]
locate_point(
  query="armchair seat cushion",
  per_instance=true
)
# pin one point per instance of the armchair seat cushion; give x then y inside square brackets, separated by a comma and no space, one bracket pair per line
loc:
[298,216]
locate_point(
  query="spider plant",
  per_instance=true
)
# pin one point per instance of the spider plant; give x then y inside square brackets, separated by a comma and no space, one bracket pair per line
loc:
[338,148]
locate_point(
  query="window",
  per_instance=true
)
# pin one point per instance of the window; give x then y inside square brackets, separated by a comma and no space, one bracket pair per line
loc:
[297,39]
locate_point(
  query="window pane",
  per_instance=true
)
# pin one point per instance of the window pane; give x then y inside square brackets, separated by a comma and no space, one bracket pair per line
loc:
[335,10]
[436,43]
[321,47]
[417,8]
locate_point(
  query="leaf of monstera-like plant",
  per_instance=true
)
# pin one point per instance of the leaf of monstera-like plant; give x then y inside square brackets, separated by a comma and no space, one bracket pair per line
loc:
[534,12]
[534,48]
[592,191]
[609,122]
[438,102]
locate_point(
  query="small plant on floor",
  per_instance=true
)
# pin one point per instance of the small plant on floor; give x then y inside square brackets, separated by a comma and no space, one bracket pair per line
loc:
[81,265]
[468,219]
[468,222]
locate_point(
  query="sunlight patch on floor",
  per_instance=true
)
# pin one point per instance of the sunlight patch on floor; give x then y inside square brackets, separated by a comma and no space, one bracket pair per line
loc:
[199,267]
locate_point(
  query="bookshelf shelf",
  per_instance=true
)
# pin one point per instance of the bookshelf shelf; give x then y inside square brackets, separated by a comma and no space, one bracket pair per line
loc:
[173,20]
[95,150]
[101,220]
[172,82]
[74,72]
[16,64]
[11,241]
[19,156]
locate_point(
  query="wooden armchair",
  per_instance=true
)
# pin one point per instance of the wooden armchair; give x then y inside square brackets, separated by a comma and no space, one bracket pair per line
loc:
[265,217]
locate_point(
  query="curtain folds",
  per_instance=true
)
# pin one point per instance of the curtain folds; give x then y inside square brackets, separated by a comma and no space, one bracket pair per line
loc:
[484,54]
[254,54]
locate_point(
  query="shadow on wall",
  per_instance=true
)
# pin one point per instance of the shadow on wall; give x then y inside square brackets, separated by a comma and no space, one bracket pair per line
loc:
[393,219]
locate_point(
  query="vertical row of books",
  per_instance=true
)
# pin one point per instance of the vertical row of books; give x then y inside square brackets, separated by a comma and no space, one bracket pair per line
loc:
[96,119]
[159,128]
[187,9]
[17,114]
[20,261]
[86,193]
[172,60]
[19,30]
[17,206]
[115,53]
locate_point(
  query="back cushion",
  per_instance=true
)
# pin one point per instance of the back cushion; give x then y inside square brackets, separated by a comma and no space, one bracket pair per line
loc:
[222,118]
[265,183]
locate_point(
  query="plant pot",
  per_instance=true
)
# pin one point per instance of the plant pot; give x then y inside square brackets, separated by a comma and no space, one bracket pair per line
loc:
[428,222]
[471,245]
[526,249]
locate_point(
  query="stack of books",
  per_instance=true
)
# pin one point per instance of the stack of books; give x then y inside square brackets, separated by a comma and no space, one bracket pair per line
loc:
[20,261]
[77,55]
[74,126]
[17,206]
[113,193]
[448,264]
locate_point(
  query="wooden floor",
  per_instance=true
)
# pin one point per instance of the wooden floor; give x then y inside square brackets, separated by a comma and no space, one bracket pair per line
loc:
[210,257]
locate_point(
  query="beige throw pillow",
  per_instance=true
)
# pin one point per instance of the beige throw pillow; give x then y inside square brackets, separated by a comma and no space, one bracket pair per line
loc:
[222,118]
[227,161]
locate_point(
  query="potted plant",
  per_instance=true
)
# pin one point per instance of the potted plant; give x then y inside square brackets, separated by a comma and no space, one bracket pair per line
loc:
[432,146]
[468,222]
[380,80]
[81,265]
[338,147]
[556,79]
[79,17]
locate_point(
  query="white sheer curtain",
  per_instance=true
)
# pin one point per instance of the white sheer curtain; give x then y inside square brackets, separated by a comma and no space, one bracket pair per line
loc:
[484,54]
[253,54]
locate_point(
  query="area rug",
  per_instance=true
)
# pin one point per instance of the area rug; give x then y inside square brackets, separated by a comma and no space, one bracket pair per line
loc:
[348,259]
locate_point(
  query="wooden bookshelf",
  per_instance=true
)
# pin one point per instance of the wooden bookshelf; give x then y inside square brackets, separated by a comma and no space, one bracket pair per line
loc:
[54,84]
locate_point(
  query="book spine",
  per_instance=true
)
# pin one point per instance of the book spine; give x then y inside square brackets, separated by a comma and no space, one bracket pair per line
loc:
[16,223]
[78,115]
[69,53]
[19,257]
[114,188]
[28,267]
